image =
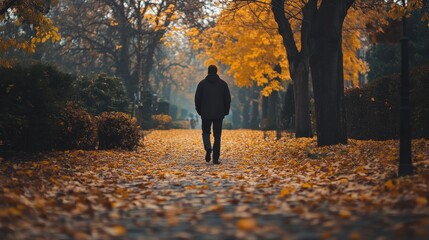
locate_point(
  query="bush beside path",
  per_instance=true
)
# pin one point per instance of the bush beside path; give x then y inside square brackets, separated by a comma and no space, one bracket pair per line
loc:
[264,188]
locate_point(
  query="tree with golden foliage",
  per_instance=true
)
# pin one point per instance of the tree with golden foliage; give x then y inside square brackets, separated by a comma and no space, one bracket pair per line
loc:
[23,25]
[246,39]
[248,44]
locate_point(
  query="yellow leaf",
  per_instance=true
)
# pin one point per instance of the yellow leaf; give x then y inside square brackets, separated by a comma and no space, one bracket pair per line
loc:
[116,230]
[247,224]
[284,192]
[306,186]
[344,180]
[389,185]
[345,214]
[215,208]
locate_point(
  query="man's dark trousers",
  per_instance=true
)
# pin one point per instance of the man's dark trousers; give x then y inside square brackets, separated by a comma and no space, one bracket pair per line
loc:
[217,132]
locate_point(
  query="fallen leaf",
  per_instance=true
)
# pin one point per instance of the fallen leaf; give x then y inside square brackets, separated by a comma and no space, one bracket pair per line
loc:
[115,231]
[345,214]
[247,224]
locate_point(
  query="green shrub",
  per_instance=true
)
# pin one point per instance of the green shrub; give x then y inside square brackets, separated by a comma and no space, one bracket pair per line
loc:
[117,130]
[78,129]
[30,99]
[373,112]
[162,121]
[101,93]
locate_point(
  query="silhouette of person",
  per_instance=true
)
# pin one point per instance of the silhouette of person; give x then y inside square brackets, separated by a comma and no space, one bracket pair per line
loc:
[212,102]
[193,121]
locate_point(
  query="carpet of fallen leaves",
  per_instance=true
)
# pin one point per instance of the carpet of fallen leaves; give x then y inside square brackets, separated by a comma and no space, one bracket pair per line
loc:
[264,188]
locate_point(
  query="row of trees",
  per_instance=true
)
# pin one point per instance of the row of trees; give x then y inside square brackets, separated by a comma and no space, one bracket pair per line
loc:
[320,38]
[261,44]
[252,35]
[126,38]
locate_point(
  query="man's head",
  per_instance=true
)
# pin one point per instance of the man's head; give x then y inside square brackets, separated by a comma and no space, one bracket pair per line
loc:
[212,69]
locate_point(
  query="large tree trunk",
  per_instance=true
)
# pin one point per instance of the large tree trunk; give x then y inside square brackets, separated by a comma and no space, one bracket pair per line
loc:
[298,65]
[123,68]
[123,63]
[302,101]
[326,62]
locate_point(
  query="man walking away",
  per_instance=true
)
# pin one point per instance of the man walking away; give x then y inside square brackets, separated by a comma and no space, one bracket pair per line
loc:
[212,102]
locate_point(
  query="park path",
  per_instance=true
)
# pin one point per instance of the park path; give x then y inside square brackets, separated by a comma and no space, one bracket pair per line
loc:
[264,189]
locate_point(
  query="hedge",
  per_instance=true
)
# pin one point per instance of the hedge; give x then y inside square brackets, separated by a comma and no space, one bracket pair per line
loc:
[117,130]
[78,129]
[30,99]
[373,112]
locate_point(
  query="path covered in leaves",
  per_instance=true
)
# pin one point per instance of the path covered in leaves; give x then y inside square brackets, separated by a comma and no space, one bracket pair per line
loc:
[286,189]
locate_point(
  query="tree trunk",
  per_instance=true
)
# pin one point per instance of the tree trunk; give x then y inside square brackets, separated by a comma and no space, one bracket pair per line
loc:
[123,67]
[302,101]
[326,62]
[298,64]
[245,107]
[288,110]
[255,114]
[148,64]
[254,122]
[273,110]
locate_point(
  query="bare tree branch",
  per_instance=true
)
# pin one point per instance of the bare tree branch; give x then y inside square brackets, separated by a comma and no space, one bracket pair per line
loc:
[284,28]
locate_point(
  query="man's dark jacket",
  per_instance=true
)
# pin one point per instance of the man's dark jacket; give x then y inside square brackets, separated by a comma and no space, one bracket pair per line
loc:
[212,99]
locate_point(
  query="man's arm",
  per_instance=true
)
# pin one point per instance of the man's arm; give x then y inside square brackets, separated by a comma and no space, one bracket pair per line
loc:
[227,100]
[197,100]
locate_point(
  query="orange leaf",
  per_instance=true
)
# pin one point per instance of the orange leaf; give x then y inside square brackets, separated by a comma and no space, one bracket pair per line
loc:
[389,185]
[284,192]
[116,230]
[345,214]
[247,224]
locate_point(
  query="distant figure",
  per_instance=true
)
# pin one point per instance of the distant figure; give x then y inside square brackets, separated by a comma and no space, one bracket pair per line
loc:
[193,122]
[212,102]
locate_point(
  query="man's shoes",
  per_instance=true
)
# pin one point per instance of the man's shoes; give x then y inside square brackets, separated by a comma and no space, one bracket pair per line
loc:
[208,153]
[216,161]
